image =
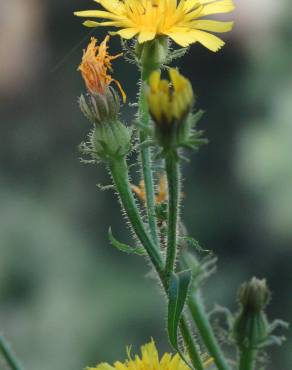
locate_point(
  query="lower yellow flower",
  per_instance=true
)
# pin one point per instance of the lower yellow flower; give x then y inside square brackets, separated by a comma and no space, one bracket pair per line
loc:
[149,360]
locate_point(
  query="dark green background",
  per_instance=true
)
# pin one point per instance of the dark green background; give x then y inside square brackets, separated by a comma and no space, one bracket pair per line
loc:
[68,299]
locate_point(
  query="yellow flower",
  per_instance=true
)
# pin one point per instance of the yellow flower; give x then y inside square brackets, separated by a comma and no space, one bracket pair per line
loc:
[181,20]
[149,361]
[161,195]
[169,104]
[94,68]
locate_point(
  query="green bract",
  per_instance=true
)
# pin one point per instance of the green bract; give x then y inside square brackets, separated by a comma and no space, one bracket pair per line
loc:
[109,139]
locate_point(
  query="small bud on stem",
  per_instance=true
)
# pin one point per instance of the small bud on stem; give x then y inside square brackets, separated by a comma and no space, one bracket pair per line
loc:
[252,330]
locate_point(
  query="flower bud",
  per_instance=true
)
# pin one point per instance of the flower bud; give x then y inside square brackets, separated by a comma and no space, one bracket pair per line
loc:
[100,108]
[254,295]
[170,105]
[111,141]
[251,326]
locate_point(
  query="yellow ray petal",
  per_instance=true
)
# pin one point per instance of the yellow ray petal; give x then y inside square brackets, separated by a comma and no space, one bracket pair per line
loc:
[223,6]
[154,80]
[181,35]
[91,24]
[97,14]
[210,41]
[210,25]
[113,6]
[190,4]
[102,24]
[146,35]
[126,33]
[176,78]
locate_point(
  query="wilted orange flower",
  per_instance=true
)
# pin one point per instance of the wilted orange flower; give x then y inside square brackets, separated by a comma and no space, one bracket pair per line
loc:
[161,195]
[94,67]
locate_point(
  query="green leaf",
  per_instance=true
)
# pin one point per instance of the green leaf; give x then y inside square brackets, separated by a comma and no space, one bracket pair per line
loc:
[124,247]
[194,243]
[178,292]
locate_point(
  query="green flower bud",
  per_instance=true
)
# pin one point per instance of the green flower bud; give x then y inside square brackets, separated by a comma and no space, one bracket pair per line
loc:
[100,108]
[109,139]
[254,295]
[251,327]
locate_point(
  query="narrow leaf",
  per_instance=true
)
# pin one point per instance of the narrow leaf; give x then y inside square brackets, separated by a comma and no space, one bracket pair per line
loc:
[124,247]
[178,292]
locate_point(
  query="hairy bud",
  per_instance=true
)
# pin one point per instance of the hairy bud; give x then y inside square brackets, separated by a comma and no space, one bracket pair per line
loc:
[254,295]
[251,327]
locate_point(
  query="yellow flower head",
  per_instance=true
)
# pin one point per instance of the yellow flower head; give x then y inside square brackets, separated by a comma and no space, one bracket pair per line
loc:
[94,68]
[161,195]
[149,360]
[181,20]
[169,104]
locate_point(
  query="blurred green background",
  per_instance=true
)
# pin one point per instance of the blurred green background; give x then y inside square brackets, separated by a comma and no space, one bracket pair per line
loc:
[68,299]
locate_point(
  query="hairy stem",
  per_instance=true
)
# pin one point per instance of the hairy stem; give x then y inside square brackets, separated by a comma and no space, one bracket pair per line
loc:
[145,154]
[200,318]
[9,355]
[172,172]
[119,172]
[247,359]
[191,345]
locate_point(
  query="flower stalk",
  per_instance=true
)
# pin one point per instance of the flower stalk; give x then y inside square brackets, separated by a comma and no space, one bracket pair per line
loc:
[202,322]
[119,173]
[248,359]
[145,155]
[8,355]
[151,55]
[173,180]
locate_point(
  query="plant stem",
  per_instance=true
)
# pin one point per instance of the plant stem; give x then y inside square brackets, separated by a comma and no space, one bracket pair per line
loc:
[145,154]
[247,359]
[172,172]
[200,317]
[191,345]
[119,172]
[8,355]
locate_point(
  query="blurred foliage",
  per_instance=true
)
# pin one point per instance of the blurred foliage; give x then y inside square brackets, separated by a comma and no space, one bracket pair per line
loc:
[68,299]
